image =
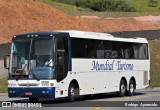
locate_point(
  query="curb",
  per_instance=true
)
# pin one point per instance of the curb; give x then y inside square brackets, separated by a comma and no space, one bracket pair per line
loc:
[154,88]
[3,94]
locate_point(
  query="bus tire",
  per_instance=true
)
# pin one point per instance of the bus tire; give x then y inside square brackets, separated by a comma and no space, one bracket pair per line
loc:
[72,92]
[34,99]
[122,88]
[131,90]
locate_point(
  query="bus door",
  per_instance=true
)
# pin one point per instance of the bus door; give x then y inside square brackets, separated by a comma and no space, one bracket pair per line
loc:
[61,57]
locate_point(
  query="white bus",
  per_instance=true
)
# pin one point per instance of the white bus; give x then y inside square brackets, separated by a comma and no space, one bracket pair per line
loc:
[79,63]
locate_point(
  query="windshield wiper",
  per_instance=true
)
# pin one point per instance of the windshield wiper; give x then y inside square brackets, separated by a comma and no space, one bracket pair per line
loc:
[35,77]
[33,74]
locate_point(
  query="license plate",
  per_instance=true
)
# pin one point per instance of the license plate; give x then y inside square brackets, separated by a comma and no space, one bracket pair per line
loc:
[28,93]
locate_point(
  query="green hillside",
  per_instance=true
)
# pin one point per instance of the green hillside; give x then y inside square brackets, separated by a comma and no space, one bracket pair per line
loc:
[65,7]
[141,6]
[155,62]
[145,5]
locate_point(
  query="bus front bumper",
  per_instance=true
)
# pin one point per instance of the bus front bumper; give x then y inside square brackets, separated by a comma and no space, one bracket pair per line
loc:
[36,92]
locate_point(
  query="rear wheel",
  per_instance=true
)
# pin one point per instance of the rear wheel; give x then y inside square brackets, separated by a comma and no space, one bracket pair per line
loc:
[122,88]
[34,99]
[131,90]
[73,91]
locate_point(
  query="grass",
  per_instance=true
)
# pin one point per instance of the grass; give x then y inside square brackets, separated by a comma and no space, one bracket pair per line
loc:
[3,85]
[155,63]
[143,5]
[70,9]
[140,5]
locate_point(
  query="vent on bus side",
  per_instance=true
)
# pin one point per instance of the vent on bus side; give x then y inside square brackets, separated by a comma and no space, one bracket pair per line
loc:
[145,78]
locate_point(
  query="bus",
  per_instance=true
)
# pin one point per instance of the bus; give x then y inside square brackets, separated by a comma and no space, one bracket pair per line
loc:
[78,63]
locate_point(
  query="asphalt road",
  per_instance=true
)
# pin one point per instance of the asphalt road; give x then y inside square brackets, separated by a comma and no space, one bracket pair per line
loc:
[95,102]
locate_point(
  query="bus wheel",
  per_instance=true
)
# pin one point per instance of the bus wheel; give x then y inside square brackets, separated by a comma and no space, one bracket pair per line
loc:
[131,90]
[34,99]
[72,92]
[122,88]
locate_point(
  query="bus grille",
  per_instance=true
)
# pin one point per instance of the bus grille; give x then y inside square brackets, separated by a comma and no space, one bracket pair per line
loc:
[30,84]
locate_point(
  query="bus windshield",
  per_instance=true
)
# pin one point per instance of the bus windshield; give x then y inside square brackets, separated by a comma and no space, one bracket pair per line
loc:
[32,58]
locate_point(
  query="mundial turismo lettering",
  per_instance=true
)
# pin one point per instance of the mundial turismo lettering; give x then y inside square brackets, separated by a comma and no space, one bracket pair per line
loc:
[98,66]
[109,65]
[124,66]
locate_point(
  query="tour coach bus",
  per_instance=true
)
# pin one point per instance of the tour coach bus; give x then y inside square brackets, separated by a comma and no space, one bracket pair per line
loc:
[71,63]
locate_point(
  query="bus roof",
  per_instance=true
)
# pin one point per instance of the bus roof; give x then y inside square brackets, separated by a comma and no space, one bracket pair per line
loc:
[88,35]
[102,36]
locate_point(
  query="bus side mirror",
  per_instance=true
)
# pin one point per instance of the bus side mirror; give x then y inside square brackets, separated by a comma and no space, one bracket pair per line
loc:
[6,61]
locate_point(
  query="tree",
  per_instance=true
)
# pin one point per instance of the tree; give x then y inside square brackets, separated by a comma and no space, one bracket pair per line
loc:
[152,3]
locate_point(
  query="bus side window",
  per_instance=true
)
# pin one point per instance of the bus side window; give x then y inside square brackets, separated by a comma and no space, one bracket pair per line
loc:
[100,50]
[78,48]
[107,49]
[116,50]
[141,51]
[90,48]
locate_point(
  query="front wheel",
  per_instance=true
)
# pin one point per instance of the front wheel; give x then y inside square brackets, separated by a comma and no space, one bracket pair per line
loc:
[122,88]
[72,92]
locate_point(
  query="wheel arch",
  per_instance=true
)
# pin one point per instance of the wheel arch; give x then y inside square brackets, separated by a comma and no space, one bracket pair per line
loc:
[124,79]
[74,81]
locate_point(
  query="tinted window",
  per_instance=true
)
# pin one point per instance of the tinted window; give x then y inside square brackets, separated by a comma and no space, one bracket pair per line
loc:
[78,48]
[94,48]
[62,44]
[116,50]
[107,49]
[62,57]
[90,48]
[100,49]
[127,50]
[141,51]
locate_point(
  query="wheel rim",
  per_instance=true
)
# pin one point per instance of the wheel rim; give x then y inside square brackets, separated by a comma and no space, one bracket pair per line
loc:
[123,88]
[131,88]
[72,92]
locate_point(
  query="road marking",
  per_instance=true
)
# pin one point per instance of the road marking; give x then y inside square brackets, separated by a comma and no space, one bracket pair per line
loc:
[97,108]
